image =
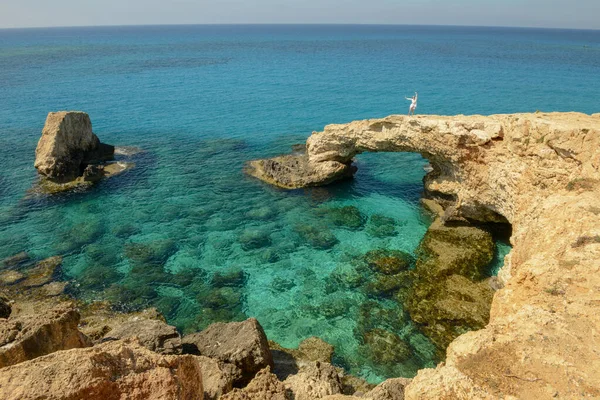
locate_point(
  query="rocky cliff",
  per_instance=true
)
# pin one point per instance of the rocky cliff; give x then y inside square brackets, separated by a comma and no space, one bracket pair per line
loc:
[540,172]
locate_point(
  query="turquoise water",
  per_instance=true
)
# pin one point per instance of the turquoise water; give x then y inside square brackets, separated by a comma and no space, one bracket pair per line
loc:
[186,231]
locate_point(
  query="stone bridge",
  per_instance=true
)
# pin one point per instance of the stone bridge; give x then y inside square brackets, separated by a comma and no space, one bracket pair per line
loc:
[541,173]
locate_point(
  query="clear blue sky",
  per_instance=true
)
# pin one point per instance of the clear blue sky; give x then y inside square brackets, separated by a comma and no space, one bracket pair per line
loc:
[583,14]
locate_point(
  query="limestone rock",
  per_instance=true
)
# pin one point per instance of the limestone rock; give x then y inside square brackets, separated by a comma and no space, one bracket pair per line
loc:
[217,377]
[68,145]
[294,171]
[243,344]
[10,277]
[264,386]
[42,273]
[25,337]
[110,371]
[153,334]
[391,389]
[538,172]
[314,381]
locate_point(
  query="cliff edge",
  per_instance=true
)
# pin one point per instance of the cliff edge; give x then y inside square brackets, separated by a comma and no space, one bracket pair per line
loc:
[539,172]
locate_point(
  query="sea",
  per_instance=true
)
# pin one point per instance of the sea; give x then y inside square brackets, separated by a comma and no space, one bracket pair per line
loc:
[187,231]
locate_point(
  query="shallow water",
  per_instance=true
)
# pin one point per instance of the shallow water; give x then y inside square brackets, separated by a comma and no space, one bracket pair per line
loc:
[186,231]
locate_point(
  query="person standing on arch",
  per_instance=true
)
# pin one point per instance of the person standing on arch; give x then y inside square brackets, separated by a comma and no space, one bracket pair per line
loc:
[413,104]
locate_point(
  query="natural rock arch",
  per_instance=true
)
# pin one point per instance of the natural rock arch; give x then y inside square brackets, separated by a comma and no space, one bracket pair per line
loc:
[540,172]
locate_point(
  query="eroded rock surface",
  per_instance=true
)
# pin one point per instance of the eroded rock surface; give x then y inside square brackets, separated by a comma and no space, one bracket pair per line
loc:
[242,344]
[68,146]
[153,334]
[27,336]
[264,386]
[110,371]
[541,173]
[314,381]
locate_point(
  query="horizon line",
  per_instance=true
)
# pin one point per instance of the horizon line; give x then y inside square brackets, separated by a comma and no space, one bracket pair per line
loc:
[296,24]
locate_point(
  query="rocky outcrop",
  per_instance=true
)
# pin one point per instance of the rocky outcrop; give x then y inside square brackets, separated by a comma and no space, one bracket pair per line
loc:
[153,334]
[217,377]
[242,344]
[314,381]
[68,146]
[69,155]
[541,173]
[110,371]
[264,386]
[25,337]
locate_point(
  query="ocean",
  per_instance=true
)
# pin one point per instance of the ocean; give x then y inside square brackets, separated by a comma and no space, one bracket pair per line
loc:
[187,231]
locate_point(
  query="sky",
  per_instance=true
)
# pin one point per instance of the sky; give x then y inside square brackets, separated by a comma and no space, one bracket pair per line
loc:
[579,14]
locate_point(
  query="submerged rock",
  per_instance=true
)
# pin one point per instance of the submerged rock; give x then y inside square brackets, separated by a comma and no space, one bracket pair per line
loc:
[389,262]
[243,344]
[386,348]
[348,217]
[317,237]
[42,273]
[448,297]
[17,260]
[381,226]
[252,239]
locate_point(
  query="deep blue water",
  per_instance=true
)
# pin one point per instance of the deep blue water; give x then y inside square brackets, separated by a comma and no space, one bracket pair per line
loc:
[201,101]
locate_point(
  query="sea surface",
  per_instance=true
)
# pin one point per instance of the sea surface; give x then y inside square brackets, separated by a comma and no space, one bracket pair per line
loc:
[187,231]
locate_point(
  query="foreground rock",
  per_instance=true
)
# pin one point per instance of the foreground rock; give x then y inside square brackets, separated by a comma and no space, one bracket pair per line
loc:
[242,344]
[314,381]
[264,386]
[153,334]
[541,173]
[114,370]
[26,337]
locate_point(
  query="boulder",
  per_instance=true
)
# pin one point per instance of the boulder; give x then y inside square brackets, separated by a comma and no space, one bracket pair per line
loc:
[68,146]
[217,377]
[10,277]
[153,334]
[25,337]
[264,386]
[314,381]
[391,389]
[243,344]
[110,371]
[287,361]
